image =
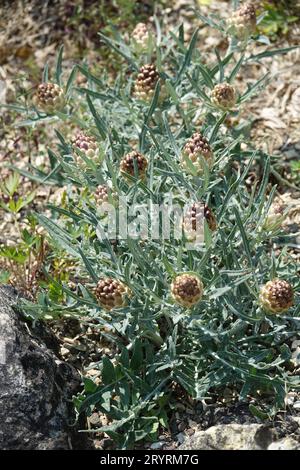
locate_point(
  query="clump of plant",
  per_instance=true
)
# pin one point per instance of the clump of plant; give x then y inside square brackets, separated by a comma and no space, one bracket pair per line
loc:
[182,311]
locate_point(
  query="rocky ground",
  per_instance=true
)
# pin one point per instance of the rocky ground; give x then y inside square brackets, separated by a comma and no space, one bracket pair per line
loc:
[25,46]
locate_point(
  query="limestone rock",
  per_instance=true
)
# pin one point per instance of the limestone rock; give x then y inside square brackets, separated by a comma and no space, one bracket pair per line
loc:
[285,444]
[225,437]
[239,437]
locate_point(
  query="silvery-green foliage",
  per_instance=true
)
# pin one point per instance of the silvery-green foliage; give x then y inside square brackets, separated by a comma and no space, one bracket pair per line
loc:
[226,339]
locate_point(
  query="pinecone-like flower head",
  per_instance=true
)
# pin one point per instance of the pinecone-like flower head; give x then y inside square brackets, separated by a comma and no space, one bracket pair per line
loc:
[276,296]
[194,218]
[132,162]
[103,193]
[49,97]
[223,96]
[86,144]
[274,218]
[187,289]
[243,21]
[111,293]
[195,148]
[146,82]
[141,37]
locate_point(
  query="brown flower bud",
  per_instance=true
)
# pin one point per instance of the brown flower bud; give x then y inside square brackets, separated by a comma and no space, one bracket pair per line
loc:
[146,82]
[223,96]
[141,37]
[275,217]
[276,296]
[49,97]
[111,293]
[195,148]
[135,164]
[243,22]
[193,220]
[187,289]
[103,194]
[87,145]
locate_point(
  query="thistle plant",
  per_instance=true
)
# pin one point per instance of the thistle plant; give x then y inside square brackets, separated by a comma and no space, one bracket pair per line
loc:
[194,218]
[276,296]
[142,38]
[146,81]
[111,293]
[134,164]
[177,312]
[275,217]
[49,97]
[197,153]
[85,144]
[187,290]
[242,22]
[224,96]
[103,193]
